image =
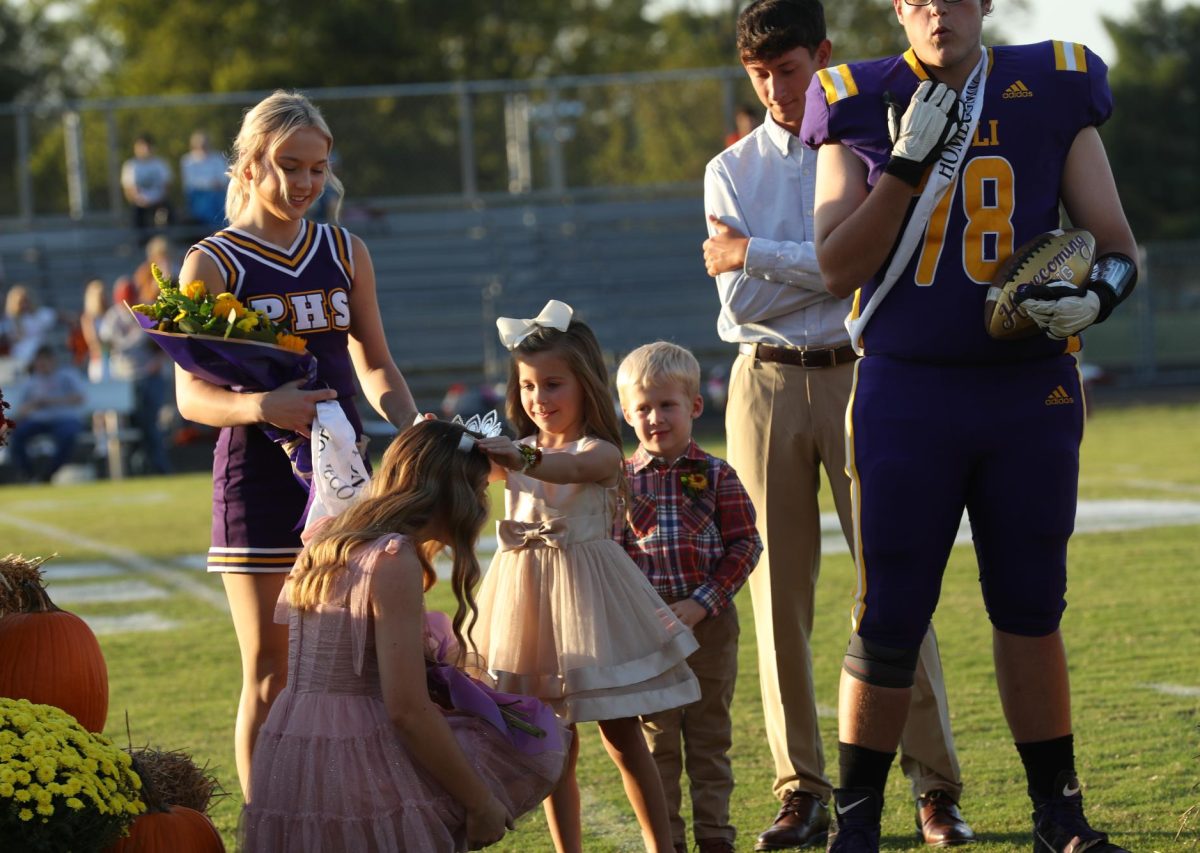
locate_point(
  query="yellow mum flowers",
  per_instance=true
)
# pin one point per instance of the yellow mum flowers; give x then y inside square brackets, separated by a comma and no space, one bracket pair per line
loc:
[292,342]
[61,787]
[194,291]
[226,302]
[191,309]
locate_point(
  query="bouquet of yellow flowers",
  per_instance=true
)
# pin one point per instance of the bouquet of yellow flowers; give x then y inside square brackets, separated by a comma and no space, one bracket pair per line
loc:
[61,788]
[190,309]
[221,340]
[224,342]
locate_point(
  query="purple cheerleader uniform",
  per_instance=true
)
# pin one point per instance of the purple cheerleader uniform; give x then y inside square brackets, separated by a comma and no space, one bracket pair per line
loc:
[256,500]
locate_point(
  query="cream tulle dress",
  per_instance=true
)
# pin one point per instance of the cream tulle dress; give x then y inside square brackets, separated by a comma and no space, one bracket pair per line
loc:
[565,615]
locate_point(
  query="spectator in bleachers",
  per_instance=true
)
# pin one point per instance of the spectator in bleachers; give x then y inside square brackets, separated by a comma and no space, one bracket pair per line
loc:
[158,252]
[203,173]
[146,180]
[134,356]
[25,325]
[49,402]
[95,304]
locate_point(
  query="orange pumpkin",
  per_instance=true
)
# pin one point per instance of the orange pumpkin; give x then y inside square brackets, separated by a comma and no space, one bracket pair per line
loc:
[47,655]
[177,828]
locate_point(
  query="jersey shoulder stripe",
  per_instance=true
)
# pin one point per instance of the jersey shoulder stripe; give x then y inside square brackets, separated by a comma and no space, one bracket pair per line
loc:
[838,83]
[914,64]
[339,241]
[229,266]
[1069,56]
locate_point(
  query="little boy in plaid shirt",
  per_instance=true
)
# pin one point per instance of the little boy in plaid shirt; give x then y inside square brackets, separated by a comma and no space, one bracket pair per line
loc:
[690,527]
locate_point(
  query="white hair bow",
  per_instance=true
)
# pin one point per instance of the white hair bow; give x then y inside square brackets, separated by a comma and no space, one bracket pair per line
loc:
[556,315]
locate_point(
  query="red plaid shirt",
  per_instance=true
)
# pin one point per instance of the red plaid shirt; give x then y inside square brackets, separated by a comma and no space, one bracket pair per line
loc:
[694,541]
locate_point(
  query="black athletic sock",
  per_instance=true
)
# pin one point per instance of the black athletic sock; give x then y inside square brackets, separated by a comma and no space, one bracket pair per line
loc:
[1044,760]
[861,767]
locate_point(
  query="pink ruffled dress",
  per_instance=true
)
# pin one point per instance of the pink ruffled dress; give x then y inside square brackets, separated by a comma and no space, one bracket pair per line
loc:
[331,771]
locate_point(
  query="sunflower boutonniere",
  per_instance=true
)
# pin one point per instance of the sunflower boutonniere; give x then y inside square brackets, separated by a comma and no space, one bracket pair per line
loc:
[695,479]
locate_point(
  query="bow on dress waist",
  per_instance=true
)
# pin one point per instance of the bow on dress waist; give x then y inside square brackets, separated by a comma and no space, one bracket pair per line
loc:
[550,533]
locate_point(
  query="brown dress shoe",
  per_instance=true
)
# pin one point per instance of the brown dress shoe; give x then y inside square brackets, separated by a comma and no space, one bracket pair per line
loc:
[714,845]
[803,821]
[939,822]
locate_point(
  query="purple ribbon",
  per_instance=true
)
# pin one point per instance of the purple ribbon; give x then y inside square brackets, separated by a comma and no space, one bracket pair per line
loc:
[528,723]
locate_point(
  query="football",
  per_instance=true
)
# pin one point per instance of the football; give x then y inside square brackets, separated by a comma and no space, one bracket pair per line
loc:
[1055,255]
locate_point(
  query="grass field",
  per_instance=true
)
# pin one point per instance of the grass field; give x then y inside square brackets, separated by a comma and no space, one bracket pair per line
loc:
[127,563]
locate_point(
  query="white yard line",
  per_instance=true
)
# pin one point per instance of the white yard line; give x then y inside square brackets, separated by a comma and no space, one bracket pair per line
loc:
[131,560]
[1105,516]
[56,571]
[1162,486]
[1172,689]
[107,593]
[1090,517]
[133,623]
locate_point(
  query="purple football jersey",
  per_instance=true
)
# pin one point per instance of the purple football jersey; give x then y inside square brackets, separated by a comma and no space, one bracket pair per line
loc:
[1036,100]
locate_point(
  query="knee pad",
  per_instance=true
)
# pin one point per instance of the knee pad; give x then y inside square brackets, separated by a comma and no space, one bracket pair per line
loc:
[880,666]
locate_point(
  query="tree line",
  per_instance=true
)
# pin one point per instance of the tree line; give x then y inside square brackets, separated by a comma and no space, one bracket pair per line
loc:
[56,52]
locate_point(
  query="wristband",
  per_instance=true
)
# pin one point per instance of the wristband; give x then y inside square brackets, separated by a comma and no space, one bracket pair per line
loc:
[531,456]
[1112,279]
[909,171]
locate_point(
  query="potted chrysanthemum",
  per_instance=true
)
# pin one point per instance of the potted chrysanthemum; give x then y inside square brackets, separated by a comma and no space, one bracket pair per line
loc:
[63,789]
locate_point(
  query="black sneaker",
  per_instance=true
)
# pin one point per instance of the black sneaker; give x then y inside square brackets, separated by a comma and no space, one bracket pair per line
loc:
[856,827]
[1059,825]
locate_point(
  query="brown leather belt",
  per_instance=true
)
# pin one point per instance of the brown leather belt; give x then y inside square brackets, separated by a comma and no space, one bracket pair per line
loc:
[807,358]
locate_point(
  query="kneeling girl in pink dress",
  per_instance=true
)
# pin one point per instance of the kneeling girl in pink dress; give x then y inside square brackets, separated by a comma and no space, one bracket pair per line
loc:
[379,742]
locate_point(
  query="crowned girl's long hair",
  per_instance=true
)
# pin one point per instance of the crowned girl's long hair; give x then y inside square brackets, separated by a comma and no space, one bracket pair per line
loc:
[581,351]
[424,484]
[265,127]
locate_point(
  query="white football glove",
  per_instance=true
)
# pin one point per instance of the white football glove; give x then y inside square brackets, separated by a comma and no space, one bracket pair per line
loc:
[919,135]
[1059,309]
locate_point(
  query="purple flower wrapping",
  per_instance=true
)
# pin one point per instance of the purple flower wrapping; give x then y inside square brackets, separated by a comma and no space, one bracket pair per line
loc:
[244,366]
[528,723]
[233,363]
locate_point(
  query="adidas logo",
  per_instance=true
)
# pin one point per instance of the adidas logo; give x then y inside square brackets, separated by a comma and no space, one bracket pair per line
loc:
[1059,397]
[1017,90]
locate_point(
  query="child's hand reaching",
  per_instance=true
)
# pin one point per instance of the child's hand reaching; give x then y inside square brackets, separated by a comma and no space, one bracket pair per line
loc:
[487,823]
[503,451]
[689,611]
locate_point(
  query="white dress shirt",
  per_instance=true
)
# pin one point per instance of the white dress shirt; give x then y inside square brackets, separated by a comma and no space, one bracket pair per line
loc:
[764,186]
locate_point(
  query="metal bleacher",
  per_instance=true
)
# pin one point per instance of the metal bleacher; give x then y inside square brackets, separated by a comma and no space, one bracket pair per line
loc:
[632,269]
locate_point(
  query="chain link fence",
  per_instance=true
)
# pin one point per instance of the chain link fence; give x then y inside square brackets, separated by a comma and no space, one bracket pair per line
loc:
[492,195]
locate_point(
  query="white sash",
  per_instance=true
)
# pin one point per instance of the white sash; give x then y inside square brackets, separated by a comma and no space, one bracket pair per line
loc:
[941,176]
[338,472]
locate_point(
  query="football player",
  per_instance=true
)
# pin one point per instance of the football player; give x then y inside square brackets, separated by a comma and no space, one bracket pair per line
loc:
[933,166]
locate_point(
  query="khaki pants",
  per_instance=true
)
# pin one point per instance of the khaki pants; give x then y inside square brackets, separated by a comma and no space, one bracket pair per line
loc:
[783,423]
[706,730]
